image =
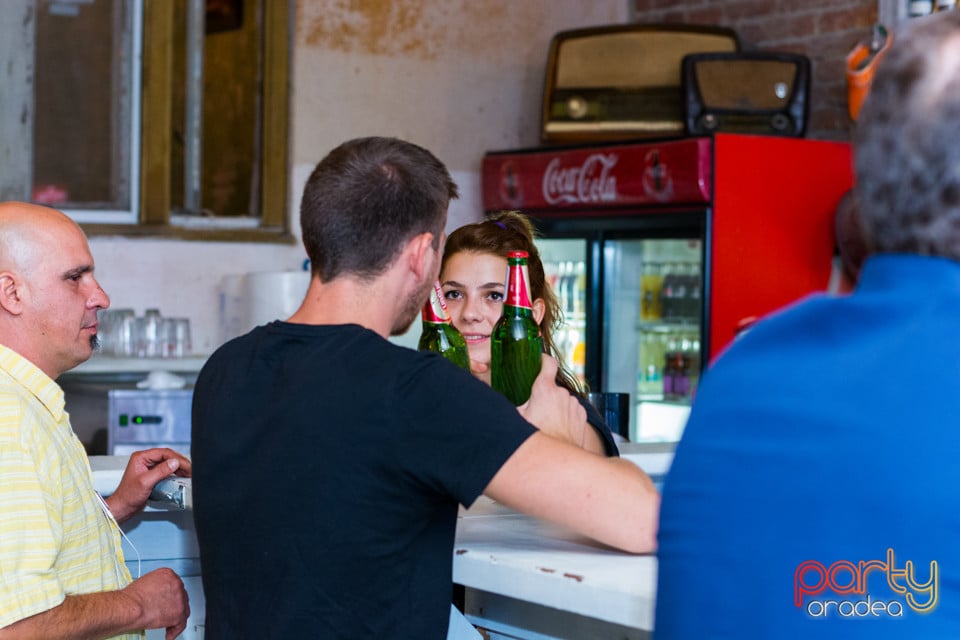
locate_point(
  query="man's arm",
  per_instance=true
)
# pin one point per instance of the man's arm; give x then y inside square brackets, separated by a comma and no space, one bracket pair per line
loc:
[157,600]
[608,499]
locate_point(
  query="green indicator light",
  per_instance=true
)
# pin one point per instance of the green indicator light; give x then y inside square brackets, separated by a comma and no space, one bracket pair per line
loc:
[138,419]
[123,420]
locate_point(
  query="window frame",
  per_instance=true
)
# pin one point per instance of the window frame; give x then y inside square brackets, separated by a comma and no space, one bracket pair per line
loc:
[154,207]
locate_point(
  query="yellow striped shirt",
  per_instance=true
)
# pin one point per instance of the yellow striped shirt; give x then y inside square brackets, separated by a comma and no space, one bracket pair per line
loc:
[55,540]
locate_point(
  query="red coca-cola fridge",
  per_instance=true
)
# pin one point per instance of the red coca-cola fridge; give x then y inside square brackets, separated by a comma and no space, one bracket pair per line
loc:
[659,250]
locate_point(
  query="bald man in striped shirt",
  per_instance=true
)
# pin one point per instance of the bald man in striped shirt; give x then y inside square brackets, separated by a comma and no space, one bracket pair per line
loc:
[62,573]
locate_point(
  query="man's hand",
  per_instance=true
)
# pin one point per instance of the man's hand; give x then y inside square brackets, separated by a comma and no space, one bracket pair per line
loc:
[163,601]
[553,409]
[158,600]
[145,469]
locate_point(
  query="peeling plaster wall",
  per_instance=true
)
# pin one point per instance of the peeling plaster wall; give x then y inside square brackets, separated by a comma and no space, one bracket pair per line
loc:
[457,77]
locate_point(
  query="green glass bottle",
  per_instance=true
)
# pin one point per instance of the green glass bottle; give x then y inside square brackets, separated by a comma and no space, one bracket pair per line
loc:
[515,344]
[439,334]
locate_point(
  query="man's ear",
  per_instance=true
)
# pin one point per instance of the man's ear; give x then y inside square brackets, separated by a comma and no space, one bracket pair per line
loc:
[539,308]
[420,252]
[10,299]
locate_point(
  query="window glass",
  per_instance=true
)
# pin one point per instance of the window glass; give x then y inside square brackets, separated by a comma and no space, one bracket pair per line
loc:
[83,153]
[171,114]
[217,71]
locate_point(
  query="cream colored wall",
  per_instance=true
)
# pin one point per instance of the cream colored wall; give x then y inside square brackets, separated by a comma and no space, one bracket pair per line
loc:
[458,77]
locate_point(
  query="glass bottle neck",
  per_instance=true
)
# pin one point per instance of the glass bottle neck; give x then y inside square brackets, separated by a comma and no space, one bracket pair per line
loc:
[518,286]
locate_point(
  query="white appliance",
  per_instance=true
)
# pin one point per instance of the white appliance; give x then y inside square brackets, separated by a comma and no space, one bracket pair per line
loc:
[144,418]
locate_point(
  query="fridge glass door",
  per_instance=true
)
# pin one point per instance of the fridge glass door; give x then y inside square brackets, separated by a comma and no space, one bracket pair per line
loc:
[564,264]
[652,331]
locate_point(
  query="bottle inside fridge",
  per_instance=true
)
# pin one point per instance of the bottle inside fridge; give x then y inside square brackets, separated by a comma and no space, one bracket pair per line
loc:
[650,324]
[564,264]
[653,300]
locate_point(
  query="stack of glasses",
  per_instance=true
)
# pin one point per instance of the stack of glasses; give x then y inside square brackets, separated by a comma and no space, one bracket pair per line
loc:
[123,334]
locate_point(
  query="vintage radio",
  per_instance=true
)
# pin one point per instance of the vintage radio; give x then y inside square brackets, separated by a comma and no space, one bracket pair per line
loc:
[622,81]
[755,92]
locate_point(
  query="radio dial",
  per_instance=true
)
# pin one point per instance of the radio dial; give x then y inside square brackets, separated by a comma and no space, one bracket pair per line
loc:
[780,122]
[577,107]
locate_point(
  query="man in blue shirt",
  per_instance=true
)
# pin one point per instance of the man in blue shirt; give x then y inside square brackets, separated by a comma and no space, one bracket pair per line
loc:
[813,492]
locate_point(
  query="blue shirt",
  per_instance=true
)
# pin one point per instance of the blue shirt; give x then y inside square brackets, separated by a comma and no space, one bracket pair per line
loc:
[814,491]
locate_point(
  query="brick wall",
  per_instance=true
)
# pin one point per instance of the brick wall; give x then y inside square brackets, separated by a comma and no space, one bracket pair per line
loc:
[823,30]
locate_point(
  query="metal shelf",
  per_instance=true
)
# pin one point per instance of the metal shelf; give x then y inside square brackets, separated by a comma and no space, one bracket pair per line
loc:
[106,364]
[670,324]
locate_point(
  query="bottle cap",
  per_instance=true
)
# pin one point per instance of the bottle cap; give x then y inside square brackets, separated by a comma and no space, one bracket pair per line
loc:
[518,254]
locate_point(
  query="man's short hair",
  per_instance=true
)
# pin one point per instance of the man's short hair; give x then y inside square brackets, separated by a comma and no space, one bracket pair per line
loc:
[366,199]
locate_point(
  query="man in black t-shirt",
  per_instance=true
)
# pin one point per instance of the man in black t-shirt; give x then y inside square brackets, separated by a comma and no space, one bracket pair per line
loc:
[329,463]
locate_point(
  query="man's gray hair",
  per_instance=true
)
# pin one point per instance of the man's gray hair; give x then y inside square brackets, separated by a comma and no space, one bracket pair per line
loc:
[907,142]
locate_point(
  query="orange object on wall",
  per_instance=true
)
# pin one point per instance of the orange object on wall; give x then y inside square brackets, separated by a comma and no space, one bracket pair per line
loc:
[861,66]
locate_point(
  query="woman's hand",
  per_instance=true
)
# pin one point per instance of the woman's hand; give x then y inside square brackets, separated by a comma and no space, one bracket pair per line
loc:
[552,409]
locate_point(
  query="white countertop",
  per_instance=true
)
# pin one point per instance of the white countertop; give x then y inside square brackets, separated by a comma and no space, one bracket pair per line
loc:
[510,554]
[507,553]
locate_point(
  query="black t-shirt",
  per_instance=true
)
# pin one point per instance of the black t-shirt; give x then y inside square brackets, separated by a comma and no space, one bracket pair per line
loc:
[328,464]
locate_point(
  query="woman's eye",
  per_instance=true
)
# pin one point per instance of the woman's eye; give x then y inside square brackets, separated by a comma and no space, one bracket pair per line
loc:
[452,295]
[496,296]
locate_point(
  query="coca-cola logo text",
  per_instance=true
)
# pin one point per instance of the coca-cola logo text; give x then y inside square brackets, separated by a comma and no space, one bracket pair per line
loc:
[590,182]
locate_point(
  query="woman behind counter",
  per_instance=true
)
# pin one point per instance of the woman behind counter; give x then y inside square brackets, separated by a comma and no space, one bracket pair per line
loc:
[472,274]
